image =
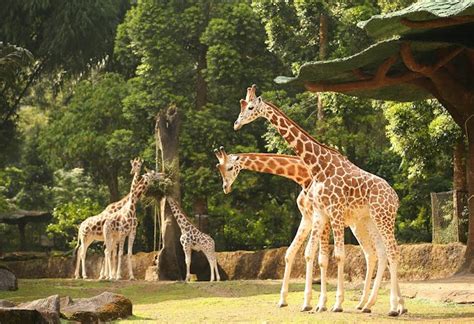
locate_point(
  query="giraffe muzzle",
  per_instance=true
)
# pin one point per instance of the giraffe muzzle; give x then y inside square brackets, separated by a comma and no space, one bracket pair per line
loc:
[237,125]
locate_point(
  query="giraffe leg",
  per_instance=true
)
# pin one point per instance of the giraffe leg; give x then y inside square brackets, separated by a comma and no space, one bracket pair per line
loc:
[384,219]
[78,258]
[118,274]
[216,268]
[309,255]
[337,225]
[323,260]
[211,260]
[84,246]
[187,257]
[131,239]
[381,266]
[290,254]
[361,232]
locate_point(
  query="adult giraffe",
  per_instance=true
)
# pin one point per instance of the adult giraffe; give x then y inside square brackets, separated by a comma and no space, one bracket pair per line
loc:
[91,229]
[342,193]
[293,168]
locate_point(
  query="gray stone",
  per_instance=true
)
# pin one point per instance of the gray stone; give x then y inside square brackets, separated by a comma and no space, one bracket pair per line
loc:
[48,307]
[21,316]
[8,279]
[104,307]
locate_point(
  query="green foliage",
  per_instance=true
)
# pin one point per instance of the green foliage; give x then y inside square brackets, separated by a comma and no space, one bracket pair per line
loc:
[66,217]
[75,198]
[92,131]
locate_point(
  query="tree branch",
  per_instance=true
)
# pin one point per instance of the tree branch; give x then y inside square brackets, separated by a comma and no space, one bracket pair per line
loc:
[436,23]
[412,64]
[373,83]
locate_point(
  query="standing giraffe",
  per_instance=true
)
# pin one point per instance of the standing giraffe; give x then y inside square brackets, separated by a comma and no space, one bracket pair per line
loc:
[343,194]
[91,229]
[193,239]
[124,223]
[291,167]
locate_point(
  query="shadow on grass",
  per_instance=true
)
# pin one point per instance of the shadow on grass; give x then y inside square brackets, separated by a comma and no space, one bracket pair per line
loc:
[143,292]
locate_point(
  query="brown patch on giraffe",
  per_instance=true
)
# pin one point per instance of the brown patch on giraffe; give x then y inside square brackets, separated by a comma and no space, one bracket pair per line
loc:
[292,170]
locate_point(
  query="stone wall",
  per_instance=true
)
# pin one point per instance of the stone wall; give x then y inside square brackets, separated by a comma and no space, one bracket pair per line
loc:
[418,261]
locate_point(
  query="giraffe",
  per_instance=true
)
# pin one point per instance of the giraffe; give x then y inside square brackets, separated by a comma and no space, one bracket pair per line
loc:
[291,167]
[90,229]
[123,224]
[343,195]
[193,239]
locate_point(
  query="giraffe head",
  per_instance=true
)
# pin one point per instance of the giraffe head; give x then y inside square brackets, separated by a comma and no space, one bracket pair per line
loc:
[136,164]
[229,168]
[251,108]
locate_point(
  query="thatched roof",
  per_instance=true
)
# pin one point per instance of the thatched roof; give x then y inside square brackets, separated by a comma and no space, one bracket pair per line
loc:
[453,30]
[24,216]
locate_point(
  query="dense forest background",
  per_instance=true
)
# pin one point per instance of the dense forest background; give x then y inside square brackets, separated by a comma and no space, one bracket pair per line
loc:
[81,83]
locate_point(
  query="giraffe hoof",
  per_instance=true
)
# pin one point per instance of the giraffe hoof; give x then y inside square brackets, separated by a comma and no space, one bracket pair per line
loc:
[359,307]
[281,305]
[84,277]
[402,311]
[336,310]
[306,308]
[393,313]
[366,310]
[132,279]
[320,309]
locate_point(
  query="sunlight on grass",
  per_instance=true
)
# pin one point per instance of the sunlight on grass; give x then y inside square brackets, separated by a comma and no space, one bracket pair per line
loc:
[232,301]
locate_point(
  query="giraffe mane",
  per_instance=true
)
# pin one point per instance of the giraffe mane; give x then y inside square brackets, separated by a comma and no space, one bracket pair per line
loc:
[305,132]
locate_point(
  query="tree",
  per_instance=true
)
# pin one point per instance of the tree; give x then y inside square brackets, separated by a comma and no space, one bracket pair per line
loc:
[430,57]
[66,38]
[91,132]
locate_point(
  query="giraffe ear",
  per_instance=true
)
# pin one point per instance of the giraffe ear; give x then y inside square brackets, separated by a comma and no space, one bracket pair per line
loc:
[243,105]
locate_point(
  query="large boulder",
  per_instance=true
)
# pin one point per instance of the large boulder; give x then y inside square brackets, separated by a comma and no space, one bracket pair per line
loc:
[104,307]
[21,316]
[48,307]
[44,310]
[7,279]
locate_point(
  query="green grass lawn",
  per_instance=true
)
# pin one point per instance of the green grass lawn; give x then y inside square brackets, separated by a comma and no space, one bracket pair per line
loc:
[232,301]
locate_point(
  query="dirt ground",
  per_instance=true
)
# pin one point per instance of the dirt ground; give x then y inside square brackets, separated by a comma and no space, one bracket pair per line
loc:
[456,289]
[249,301]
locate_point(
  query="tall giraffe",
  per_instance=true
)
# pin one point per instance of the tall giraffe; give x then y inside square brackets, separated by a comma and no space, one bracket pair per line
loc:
[193,239]
[123,224]
[291,167]
[91,229]
[343,194]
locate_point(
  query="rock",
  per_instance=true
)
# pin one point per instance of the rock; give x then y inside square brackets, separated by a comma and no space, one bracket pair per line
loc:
[104,307]
[7,279]
[21,316]
[48,307]
[151,273]
[5,303]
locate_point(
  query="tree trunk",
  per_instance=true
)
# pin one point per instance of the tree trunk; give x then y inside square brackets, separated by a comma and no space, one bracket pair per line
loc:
[171,256]
[469,256]
[459,184]
[201,85]
[112,184]
[323,53]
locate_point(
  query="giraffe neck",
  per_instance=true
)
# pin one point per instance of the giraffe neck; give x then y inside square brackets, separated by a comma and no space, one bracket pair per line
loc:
[136,192]
[316,156]
[287,166]
[183,222]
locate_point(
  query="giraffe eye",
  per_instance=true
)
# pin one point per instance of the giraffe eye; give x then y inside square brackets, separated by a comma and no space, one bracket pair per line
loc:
[230,168]
[251,107]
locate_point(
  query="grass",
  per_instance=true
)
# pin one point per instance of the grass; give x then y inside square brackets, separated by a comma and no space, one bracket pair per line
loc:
[233,301]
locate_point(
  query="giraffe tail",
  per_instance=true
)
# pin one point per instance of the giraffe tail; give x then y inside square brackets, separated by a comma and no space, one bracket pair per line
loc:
[74,252]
